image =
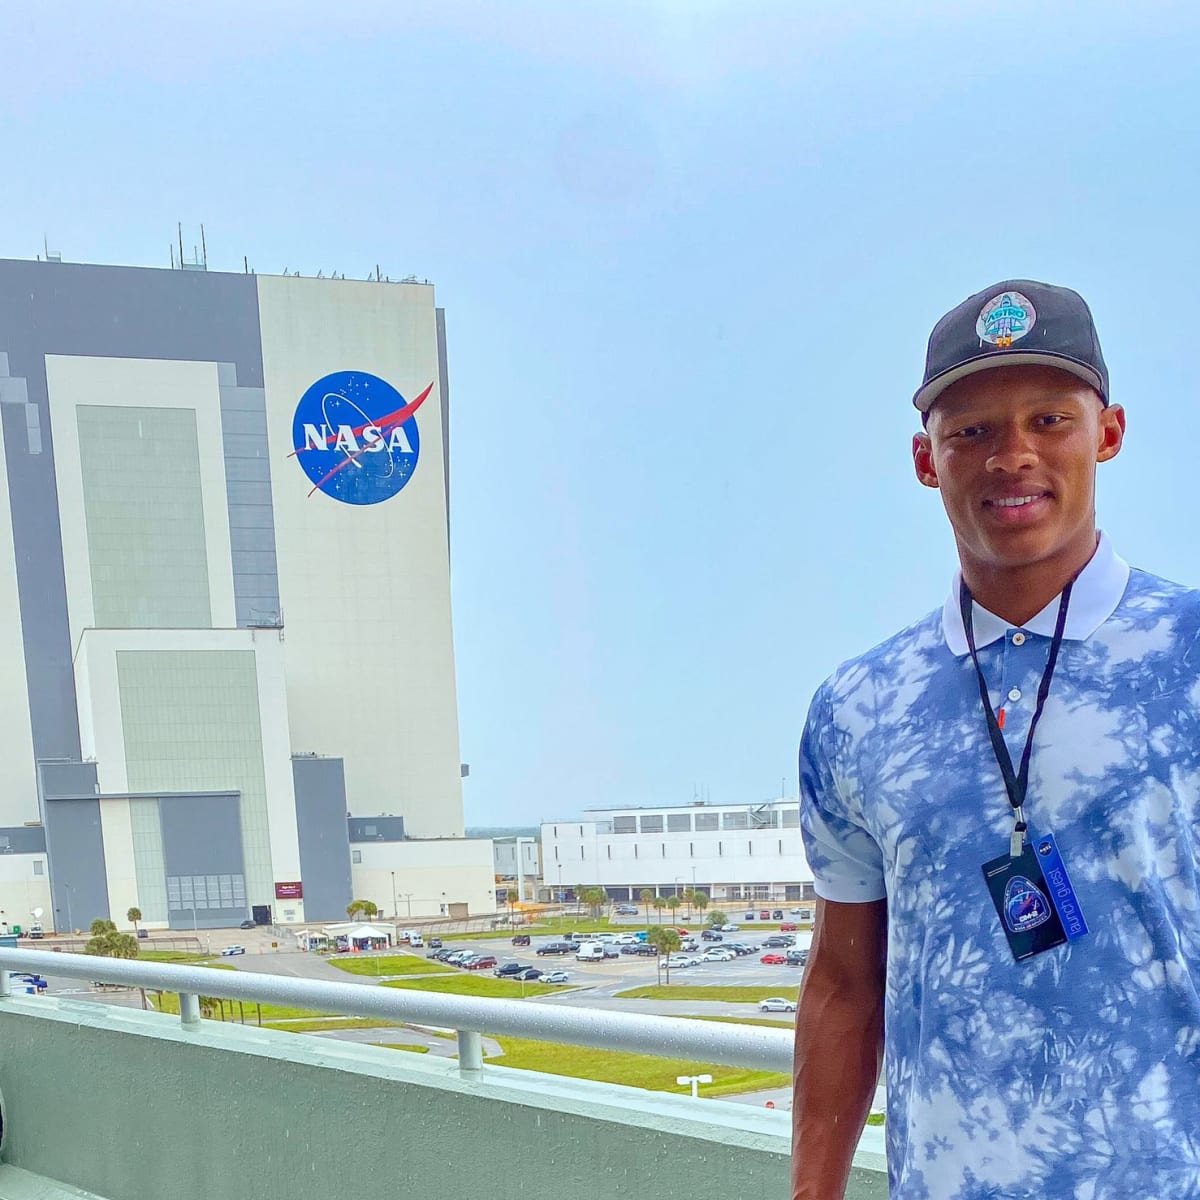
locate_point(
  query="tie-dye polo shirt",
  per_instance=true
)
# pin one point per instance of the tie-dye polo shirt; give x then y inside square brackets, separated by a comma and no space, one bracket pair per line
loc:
[1073,1075]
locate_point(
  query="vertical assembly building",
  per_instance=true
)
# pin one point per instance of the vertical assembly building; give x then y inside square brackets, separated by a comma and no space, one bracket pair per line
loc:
[225,633]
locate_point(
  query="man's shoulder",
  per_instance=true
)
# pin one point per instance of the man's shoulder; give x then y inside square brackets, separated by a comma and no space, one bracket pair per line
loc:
[904,656]
[1153,604]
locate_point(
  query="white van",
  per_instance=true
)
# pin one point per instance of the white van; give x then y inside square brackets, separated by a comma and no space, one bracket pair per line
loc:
[590,952]
[416,940]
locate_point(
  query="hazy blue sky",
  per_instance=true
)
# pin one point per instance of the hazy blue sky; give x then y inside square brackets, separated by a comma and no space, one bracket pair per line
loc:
[690,254]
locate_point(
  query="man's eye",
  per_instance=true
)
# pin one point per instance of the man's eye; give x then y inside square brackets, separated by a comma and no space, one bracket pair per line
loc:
[972,431]
[1050,419]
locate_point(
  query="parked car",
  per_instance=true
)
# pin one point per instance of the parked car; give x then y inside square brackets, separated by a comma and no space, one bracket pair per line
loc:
[556,977]
[730,928]
[797,958]
[678,960]
[716,955]
[508,968]
[777,915]
[456,958]
[773,959]
[645,950]
[630,947]
[520,939]
[556,948]
[611,951]
[778,939]
[711,935]
[689,944]
[765,915]
[246,924]
[435,943]
[776,1004]
[529,973]
[748,917]
[740,948]
[626,910]
[143,934]
[435,954]
[480,962]
[625,939]
[229,950]
[788,925]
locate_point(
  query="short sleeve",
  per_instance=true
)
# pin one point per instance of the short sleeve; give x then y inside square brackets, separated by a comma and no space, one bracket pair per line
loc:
[845,859]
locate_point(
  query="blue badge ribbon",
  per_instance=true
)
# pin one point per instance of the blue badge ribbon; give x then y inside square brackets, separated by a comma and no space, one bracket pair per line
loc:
[1059,887]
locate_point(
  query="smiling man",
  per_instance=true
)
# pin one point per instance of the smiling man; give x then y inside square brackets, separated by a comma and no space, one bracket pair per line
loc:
[1001,807]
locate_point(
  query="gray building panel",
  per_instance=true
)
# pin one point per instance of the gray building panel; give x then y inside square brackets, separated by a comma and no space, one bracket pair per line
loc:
[444,390]
[203,860]
[22,839]
[78,880]
[376,829]
[320,786]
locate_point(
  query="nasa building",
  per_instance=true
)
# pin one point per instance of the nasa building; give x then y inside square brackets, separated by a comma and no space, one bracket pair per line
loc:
[226,661]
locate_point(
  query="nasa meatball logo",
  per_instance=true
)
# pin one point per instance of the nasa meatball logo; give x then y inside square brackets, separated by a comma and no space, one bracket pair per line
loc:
[356,437]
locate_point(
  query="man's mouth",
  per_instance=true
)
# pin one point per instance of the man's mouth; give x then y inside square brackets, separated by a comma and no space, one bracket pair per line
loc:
[1015,501]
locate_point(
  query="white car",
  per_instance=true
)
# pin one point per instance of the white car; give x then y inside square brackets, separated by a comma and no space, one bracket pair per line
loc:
[776,1004]
[716,956]
[555,977]
[233,950]
[678,960]
[730,928]
[627,939]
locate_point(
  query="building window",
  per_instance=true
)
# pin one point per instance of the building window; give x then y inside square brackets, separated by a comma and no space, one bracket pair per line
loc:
[764,818]
[652,824]
[809,892]
[580,851]
[356,856]
[664,848]
[720,849]
[679,822]
[635,853]
[370,831]
[39,867]
[780,845]
[791,818]
[735,820]
[749,847]
[624,824]
[706,822]
[691,849]
[556,854]
[609,849]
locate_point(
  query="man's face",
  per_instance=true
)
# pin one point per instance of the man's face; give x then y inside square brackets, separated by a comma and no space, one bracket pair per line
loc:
[1013,451]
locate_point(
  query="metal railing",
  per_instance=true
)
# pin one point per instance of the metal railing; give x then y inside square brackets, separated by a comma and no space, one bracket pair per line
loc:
[673,1037]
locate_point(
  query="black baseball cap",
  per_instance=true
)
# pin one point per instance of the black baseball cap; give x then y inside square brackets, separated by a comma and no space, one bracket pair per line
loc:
[1017,322]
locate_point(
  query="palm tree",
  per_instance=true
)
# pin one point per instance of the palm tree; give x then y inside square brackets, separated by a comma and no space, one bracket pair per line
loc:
[134,915]
[700,900]
[664,940]
[689,894]
[646,896]
[659,904]
[595,898]
[673,903]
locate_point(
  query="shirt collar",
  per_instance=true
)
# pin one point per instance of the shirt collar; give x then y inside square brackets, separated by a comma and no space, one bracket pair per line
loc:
[1094,599]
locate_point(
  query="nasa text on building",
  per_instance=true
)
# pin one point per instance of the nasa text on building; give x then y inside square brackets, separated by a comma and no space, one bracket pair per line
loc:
[732,852]
[225,599]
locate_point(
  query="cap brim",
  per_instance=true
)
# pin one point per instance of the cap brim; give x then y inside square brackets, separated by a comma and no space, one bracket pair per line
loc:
[924,399]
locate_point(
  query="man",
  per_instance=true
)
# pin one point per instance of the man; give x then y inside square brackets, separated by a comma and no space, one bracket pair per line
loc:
[1000,807]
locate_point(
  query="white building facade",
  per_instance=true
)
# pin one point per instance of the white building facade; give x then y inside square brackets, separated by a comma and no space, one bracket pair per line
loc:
[736,853]
[225,626]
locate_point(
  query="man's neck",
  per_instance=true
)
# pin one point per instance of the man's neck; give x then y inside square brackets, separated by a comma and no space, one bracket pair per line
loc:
[1016,594]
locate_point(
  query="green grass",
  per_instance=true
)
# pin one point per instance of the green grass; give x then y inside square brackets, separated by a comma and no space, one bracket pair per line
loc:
[875,1119]
[789,1025]
[412,1049]
[168,1002]
[741,994]
[474,985]
[323,1024]
[390,964]
[172,956]
[631,1070]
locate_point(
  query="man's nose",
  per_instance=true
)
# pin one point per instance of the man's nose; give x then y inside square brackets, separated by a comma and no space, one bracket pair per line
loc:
[1012,451]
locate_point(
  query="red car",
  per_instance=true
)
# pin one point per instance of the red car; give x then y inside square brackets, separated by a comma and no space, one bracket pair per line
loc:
[788,927]
[682,932]
[765,915]
[486,960]
[774,959]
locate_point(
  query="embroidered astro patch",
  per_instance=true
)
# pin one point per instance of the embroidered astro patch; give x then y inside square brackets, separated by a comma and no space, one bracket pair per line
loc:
[1005,319]
[1018,890]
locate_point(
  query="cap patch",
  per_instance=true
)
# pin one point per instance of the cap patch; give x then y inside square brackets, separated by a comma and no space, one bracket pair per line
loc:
[1005,319]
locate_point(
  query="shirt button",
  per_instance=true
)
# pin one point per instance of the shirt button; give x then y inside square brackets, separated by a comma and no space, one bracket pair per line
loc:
[1015,695]
[1018,639]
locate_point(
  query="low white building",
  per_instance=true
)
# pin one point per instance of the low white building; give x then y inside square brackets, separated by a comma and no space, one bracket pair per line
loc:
[425,877]
[736,853]
[518,866]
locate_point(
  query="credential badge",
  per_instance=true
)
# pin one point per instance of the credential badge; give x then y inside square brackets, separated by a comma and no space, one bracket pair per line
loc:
[1025,905]
[1005,319]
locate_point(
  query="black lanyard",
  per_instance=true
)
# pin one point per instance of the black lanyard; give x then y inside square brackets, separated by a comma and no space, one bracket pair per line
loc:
[1016,783]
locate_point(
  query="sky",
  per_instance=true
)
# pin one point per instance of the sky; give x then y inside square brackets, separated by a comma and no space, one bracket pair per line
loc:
[690,253]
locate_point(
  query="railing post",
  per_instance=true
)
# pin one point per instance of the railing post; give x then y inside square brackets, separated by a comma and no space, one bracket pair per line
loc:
[5,984]
[189,1008]
[470,1050]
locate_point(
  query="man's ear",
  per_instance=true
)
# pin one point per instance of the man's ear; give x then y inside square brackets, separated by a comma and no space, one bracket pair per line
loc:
[922,452]
[1112,433]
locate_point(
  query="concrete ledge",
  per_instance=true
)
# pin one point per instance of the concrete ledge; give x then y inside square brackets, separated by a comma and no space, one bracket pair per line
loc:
[16,1184]
[135,1106]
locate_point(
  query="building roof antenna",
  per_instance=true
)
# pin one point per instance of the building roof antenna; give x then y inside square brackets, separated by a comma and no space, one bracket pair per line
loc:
[203,246]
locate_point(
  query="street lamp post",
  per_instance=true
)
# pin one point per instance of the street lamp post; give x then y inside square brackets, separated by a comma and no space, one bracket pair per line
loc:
[695,1081]
[395,913]
[408,900]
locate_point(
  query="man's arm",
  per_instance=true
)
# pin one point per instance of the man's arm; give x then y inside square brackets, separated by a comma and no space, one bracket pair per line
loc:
[839,1044]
